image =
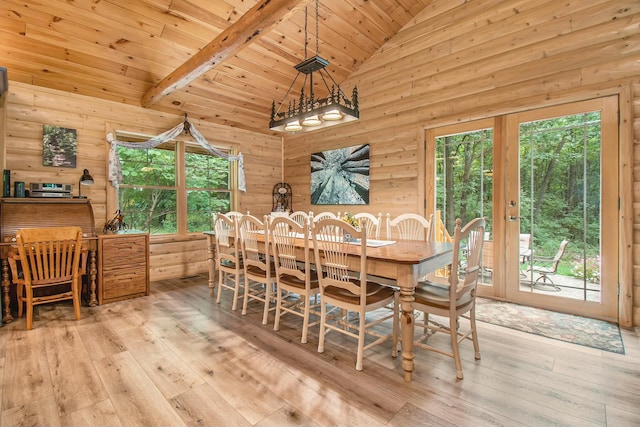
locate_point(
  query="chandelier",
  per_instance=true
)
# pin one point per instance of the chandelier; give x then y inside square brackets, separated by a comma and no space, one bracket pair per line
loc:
[310,112]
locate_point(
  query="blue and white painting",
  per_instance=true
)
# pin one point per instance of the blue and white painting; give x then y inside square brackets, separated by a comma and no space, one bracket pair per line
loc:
[341,176]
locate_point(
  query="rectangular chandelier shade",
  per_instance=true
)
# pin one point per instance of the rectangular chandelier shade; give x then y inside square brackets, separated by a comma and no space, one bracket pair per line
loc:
[310,113]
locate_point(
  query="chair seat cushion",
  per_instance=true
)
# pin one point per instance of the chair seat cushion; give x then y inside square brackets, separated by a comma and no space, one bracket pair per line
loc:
[375,293]
[437,295]
[257,271]
[298,283]
[228,264]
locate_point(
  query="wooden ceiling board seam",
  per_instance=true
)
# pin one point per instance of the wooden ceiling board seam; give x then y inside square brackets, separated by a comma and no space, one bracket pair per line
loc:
[227,84]
[349,15]
[93,23]
[20,13]
[224,95]
[376,16]
[65,86]
[220,8]
[45,36]
[188,41]
[237,69]
[148,47]
[79,75]
[191,13]
[92,49]
[285,74]
[213,104]
[340,30]
[21,45]
[210,117]
[192,30]
[292,30]
[103,10]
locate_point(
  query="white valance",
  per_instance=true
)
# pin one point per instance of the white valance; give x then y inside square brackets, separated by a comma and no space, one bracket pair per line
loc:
[115,171]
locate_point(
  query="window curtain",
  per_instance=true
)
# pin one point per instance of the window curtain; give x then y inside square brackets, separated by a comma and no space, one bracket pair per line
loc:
[115,171]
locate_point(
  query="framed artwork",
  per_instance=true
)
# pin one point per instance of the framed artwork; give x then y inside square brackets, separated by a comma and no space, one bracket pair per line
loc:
[340,176]
[59,146]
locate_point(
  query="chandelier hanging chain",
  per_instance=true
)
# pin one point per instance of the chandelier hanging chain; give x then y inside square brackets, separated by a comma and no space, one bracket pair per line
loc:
[306,35]
[317,30]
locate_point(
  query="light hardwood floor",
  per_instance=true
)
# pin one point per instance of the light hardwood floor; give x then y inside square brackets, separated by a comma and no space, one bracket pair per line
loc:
[177,358]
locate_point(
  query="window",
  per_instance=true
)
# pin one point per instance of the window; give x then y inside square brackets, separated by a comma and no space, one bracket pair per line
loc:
[173,188]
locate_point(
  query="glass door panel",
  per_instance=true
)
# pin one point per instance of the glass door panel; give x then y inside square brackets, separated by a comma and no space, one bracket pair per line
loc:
[567,211]
[464,185]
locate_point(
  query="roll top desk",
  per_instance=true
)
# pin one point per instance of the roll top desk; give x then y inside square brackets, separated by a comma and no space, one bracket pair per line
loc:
[17,213]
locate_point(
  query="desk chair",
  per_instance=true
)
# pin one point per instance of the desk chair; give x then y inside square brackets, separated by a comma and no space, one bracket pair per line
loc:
[51,267]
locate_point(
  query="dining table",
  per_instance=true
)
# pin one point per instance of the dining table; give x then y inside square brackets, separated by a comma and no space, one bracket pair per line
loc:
[405,262]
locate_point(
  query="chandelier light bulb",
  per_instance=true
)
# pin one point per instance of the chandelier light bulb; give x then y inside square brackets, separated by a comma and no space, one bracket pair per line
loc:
[312,121]
[332,115]
[293,126]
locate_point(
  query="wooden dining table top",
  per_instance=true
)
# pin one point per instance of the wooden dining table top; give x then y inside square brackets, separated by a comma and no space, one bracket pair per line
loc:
[402,251]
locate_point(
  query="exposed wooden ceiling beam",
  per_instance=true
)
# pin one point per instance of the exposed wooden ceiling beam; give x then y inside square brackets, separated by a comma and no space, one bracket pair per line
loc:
[260,19]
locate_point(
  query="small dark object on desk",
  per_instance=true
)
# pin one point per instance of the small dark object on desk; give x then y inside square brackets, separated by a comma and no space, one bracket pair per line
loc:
[116,224]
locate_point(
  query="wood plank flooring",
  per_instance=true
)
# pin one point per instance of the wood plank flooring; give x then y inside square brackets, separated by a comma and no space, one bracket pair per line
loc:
[176,358]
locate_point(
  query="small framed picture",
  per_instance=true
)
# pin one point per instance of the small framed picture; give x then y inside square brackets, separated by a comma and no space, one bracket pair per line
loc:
[59,146]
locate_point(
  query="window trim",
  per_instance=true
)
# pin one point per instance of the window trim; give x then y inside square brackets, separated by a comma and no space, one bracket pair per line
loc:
[181,211]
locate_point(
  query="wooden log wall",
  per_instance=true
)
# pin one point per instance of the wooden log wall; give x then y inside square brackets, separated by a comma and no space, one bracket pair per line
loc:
[30,107]
[460,61]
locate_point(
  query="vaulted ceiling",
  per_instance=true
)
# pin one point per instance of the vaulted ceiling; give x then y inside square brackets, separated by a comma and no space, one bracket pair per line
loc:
[223,61]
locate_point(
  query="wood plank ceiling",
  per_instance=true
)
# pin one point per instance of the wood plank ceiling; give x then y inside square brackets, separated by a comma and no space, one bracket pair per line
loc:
[223,61]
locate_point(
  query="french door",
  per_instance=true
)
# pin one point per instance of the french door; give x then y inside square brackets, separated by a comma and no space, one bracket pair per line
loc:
[547,180]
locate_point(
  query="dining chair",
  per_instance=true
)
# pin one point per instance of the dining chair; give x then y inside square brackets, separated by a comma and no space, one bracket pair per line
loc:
[231,214]
[299,216]
[455,297]
[259,272]
[323,215]
[370,223]
[228,257]
[50,259]
[409,226]
[297,281]
[342,291]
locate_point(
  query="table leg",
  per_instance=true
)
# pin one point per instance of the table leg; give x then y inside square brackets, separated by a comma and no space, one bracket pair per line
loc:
[211,262]
[93,272]
[407,291]
[6,300]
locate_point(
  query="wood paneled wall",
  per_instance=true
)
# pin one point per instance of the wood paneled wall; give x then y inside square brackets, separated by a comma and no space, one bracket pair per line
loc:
[456,61]
[30,107]
[460,61]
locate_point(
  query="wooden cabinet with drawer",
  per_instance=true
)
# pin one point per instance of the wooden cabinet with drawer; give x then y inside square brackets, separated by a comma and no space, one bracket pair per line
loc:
[123,267]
